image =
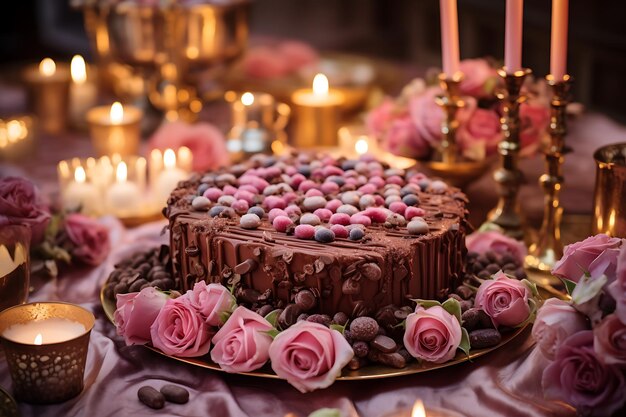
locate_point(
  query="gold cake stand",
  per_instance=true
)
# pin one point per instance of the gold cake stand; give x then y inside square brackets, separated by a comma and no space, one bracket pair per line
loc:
[367,372]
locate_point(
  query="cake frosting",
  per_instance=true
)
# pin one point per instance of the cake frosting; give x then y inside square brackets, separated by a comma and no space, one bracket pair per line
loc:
[301,253]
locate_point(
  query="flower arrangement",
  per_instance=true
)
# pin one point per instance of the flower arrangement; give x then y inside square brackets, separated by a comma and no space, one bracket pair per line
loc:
[55,237]
[410,125]
[585,339]
[312,353]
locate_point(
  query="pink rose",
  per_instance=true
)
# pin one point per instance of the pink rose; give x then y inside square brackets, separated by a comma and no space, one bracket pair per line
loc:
[309,355]
[534,120]
[206,142]
[242,345]
[89,237]
[481,129]
[21,203]
[505,300]
[617,289]
[265,63]
[432,334]
[481,242]
[427,115]
[179,330]
[596,255]
[610,340]
[578,377]
[380,117]
[212,301]
[297,54]
[556,321]
[479,78]
[402,138]
[136,312]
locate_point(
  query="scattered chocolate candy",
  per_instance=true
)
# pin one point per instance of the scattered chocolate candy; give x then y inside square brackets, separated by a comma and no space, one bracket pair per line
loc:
[216,210]
[200,203]
[305,300]
[151,397]
[258,211]
[417,227]
[384,344]
[175,394]
[484,338]
[361,349]
[364,328]
[281,223]
[339,231]
[324,235]
[310,218]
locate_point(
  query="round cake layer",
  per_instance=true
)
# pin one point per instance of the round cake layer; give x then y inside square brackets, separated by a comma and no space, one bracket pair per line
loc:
[386,262]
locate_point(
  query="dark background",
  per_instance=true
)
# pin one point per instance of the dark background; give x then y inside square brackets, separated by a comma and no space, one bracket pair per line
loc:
[400,30]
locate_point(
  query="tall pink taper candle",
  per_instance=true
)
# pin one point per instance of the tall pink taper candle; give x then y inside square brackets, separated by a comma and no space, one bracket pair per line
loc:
[449,37]
[513,35]
[558,45]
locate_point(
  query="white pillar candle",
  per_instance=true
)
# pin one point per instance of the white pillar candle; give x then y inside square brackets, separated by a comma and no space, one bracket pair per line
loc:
[449,37]
[169,178]
[513,35]
[83,92]
[558,45]
[123,197]
[43,332]
[81,193]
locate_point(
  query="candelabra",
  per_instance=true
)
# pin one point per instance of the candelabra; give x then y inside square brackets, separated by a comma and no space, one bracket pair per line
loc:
[548,248]
[450,102]
[509,178]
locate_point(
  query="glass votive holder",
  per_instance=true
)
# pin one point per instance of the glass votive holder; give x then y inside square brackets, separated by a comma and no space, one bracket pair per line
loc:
[115,129]
[610,191]
[14,265]
[46,345]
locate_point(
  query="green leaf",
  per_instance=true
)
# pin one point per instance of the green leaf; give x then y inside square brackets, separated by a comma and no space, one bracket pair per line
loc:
[272,317]
[569,285]
[326,412]
[490,227]
[338,327]
[224,316]
[272,333]
[426,303]
[465,341]
[401,325]
[588,288]
[531,286]
[453,307]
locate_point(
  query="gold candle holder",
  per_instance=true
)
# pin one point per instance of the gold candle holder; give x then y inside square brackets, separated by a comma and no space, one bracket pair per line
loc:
[115,129]
[609,199]
[14,265]
[48,94]
[45,373]
[506,214]
[450,102]
[548,249]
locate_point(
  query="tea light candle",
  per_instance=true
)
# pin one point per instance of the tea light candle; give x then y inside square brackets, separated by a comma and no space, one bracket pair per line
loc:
[41,332]
[355,141]
[123,197]
[80,193]
[169,178]
[419,410]
[48,94]
[317,114]
[83,92]
[115,129]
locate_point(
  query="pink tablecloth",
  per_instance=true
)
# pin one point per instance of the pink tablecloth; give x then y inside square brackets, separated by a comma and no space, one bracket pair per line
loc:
[503,383]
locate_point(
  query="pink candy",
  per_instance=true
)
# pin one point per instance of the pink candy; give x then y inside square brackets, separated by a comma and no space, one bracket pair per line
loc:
[398,207]
[272,172]
[213,193]
[360,218]
[297,179]
[229,190]
[323,214]
[334,204]
[304,231]
[339,230]
[368,189]
[306,185]
[329,187]
[245,195]
[314,192]
[290,196]
[293,211]
[291,170]
[275,212]
[329,170]
[395,179]
[249,188]
[411,212]
[240,206]
[339,218]
[379,200]
[377,181]
[273,201]
[281,223]
[377,214]
[256,182]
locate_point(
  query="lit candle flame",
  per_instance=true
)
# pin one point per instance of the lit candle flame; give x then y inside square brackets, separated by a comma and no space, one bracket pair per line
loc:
[79,175]
[169,159]
[320,85]
[247,99]
[47,67]
[78,69]
[38,339]
[122,172]
[361,146]
[117,113]
[418,409]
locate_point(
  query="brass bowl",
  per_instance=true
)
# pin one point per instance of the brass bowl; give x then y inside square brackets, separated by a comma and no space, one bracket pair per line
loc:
[458,174]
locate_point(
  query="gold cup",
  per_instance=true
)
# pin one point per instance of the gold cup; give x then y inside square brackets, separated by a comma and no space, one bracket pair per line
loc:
[46,373]
[115,131]
[610,191]
[14,265]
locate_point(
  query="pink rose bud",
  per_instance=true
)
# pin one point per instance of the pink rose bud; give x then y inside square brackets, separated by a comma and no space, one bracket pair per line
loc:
[340,218]
[432,335]
[360,218]
[411,212]
[329,187]
[272,202]
[275,212]
[281,223]
[229,190]
[581,257]
[213,193]
[136,312]
[333,205]
[556,321]
[211,301]
[398,207]
[339,230]
[304,231]
[323,214]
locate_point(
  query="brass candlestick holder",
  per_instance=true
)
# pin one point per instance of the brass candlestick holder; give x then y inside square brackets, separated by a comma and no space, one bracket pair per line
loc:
[506,214]
[450,102]
[548,248]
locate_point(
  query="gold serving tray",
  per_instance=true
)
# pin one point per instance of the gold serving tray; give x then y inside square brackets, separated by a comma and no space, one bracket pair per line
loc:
[367,372]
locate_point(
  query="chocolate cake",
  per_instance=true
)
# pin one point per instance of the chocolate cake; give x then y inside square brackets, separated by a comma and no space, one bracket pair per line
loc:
[312,234]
